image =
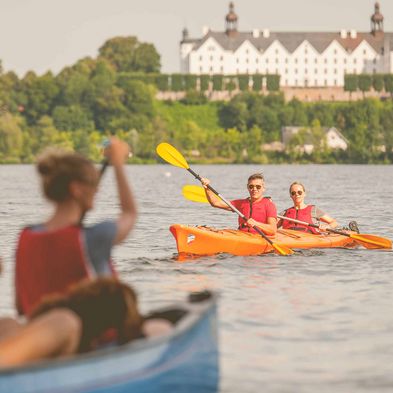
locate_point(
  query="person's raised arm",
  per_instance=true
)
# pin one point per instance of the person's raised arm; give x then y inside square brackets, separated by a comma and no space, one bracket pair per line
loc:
[117,153]
[213,199]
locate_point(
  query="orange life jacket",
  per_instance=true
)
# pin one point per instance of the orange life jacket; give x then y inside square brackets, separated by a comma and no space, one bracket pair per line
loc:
[259,211]
[48,262]
[302,215]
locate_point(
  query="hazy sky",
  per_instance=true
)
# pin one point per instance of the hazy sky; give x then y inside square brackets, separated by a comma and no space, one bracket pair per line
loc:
[43,35]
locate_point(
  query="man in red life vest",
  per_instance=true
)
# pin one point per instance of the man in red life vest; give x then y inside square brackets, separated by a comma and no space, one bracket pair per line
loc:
[261,211]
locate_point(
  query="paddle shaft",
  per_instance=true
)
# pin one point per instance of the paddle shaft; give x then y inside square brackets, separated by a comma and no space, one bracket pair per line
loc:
[104,165]
[313,225]
[229,204]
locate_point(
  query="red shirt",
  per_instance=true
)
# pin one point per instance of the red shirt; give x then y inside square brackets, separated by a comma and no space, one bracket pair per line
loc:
[259,211]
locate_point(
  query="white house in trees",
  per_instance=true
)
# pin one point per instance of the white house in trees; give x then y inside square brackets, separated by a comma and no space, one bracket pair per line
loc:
[333,138]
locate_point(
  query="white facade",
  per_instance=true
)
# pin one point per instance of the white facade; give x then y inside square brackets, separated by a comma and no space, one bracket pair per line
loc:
[304,59]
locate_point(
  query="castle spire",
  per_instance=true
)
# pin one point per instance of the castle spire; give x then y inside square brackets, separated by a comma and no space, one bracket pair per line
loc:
[377,20]
[231,21]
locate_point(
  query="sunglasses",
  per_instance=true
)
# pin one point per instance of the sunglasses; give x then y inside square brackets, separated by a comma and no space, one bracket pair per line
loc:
[299,192]
[252,186]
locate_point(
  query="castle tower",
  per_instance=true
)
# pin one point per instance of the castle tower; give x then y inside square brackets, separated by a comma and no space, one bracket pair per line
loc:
[231,21]
[377,21]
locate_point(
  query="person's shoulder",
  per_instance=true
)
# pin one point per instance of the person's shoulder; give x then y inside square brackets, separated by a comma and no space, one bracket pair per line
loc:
[268,200]
[103,227]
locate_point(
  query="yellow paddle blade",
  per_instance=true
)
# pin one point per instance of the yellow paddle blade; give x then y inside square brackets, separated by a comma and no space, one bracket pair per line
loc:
[195,193]
[282,250]
[171,155]
[372,240]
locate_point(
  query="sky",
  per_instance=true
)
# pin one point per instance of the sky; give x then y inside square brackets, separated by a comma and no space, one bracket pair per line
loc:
[42,35]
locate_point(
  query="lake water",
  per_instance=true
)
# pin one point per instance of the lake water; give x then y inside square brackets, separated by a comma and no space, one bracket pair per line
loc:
[320,321]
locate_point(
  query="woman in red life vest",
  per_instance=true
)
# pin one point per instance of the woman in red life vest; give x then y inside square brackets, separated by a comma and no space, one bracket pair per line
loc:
[52,255]
[303,212]
[261,211]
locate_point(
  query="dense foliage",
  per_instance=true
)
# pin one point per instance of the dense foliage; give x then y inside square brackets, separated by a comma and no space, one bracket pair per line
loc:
[115,93]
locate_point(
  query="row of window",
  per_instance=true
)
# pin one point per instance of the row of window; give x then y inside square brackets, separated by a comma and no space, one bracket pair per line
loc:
[212,48]
[325,61]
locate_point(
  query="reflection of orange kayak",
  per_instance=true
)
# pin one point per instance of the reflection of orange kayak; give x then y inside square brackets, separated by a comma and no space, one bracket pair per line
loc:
[201,240]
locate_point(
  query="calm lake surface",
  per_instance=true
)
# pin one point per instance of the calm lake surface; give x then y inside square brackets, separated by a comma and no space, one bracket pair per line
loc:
[320,321]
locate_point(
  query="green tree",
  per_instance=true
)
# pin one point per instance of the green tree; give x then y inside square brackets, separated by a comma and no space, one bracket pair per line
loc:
[218,82]
[128,54]
[177,82]
[378,82]
[257,82]
[162,82]
[11,138]
[388,82]
[72,118]
[243,81]
[350,83]
[204,81]
[233,115]
[273,82]
[41,93]
[299,113]
[146,58]
[364,83]
[190,81]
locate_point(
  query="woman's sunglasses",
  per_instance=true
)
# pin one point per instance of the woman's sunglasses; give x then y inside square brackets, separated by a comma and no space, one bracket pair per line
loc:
[299,192]
[252,186]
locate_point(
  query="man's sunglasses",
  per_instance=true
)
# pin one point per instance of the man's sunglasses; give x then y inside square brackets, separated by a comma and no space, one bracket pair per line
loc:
[252,186]
[299,192]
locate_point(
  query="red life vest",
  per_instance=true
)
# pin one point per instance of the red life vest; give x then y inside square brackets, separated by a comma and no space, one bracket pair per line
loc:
[48,262]
[301,215]
[259,211]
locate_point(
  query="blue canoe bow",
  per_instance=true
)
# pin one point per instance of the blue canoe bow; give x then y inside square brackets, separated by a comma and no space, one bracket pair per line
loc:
[186,360]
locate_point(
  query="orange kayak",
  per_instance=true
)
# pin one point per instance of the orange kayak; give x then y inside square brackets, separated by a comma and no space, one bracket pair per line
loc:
[200,240]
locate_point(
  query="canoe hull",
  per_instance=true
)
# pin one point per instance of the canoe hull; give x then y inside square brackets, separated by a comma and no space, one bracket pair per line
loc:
[186,361]
[199,240]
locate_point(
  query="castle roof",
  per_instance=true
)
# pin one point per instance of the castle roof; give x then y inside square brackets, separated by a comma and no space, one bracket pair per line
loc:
[291,40]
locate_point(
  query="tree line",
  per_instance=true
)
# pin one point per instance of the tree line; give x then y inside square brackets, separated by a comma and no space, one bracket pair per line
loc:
[115,93]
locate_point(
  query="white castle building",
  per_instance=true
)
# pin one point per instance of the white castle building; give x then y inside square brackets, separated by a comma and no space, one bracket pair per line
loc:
[303,59]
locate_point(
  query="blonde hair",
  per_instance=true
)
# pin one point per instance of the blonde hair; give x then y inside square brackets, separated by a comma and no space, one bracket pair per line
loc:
[296,183]
[58,168]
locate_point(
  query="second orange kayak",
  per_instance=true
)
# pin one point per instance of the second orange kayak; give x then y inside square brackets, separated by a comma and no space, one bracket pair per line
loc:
[200,240]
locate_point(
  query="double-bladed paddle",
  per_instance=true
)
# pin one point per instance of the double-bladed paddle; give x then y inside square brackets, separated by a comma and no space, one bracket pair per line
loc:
[171,155]
[197,194]
[368,241]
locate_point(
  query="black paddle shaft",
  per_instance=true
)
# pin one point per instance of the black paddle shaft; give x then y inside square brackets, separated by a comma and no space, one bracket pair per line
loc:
[104,165]
[229,204]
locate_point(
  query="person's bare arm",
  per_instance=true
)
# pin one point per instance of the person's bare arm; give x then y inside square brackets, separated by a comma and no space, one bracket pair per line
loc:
[117,153]
[331,222]
[213,199]
[270,228]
